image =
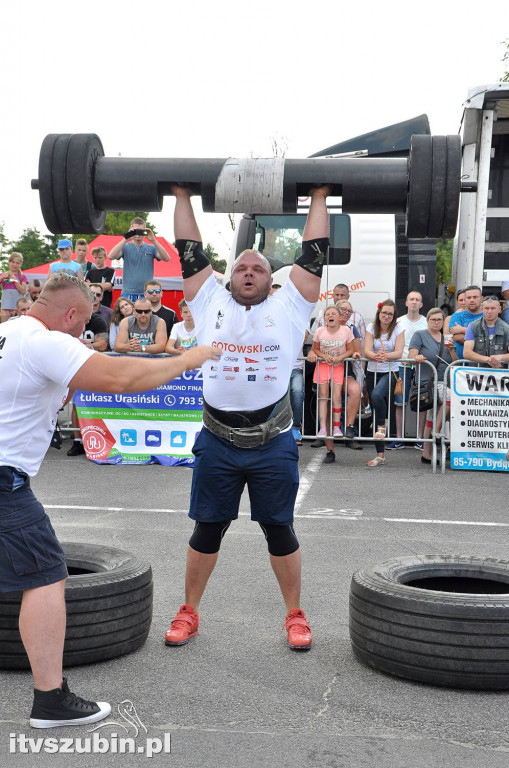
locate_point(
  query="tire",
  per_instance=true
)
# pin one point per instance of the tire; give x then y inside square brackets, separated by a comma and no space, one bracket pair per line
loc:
[451,630]
[108,598]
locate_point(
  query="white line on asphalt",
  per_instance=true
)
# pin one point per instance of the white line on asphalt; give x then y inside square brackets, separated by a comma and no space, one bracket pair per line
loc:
[311,515]
[307,479]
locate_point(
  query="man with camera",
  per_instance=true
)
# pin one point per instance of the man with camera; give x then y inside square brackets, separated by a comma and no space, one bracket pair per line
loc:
[138,258]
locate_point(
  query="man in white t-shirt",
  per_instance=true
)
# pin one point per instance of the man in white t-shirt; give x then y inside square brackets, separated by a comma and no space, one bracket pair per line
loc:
[247,437]
[42,361]
[411,322]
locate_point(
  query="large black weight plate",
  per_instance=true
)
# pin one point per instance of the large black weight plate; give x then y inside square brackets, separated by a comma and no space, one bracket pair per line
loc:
[49,212]
[84,151]
[58,186]
[452,187]
[419,186]
[438,183]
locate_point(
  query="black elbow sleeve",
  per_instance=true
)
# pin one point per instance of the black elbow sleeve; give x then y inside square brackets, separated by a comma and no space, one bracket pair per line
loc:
[314,253]
[192,257]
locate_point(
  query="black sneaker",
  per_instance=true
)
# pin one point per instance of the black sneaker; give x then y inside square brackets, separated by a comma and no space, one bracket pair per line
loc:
[61,707]
[318,443]
[350,431]
[330,457]
[76,448]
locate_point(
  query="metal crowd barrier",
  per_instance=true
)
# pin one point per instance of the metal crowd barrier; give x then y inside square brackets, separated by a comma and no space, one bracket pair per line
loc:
[410,368]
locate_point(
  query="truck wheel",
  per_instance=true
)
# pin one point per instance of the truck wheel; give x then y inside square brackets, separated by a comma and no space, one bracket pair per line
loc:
[108,597]
[437,619]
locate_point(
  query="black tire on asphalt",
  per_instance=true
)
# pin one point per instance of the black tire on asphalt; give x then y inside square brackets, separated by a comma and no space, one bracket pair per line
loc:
[108,597]
[451,630]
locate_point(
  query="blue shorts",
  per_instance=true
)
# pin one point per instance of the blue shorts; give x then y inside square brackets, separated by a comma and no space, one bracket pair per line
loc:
[221,471]
[30,553]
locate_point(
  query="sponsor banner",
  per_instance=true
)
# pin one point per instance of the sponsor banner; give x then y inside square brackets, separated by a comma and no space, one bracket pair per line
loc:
[479,419]
[157,426]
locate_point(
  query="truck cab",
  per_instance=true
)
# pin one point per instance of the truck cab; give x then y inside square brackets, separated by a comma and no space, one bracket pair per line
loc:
[481,248]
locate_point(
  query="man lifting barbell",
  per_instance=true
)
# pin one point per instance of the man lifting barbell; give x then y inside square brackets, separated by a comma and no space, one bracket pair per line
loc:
[246,438]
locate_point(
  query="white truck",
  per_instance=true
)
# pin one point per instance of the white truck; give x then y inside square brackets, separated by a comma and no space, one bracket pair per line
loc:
[481,248]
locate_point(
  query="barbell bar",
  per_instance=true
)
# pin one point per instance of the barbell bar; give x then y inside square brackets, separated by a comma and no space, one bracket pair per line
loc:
[77,184]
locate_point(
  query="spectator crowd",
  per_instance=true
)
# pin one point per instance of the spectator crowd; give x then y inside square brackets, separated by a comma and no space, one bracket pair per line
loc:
[360,368]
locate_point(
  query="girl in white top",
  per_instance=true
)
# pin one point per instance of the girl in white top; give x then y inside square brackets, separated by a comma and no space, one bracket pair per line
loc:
[183,335]
[385,340]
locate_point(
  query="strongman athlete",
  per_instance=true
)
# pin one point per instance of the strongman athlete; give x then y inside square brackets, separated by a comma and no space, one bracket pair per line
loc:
[247,438]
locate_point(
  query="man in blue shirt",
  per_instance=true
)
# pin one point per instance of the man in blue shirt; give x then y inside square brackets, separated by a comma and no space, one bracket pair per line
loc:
[487,339]
[460,320]
[138,258]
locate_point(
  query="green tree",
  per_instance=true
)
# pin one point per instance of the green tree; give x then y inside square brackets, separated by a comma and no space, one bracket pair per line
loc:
[5,247]
[505,59]
[34,248]
[444,261]
[218,264]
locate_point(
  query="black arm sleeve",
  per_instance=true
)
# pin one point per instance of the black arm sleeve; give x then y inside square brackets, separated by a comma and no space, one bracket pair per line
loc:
[314,253]
[192,257]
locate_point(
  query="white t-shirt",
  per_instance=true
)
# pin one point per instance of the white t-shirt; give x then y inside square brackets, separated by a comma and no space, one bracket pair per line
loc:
[259,346]
[186,339]
[419,325]
[388,345]
[36,366]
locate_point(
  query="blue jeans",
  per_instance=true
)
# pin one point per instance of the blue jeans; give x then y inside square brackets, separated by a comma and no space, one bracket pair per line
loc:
[379,395]
[505,316]
[297,396]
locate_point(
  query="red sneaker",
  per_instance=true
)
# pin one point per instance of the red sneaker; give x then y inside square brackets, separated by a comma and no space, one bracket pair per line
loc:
[299,631]
[183,627]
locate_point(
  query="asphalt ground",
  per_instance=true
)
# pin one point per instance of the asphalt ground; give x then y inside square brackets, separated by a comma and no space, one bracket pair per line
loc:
[236,695]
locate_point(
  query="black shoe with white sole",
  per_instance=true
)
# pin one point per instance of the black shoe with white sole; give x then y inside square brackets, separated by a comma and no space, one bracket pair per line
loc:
[62,707]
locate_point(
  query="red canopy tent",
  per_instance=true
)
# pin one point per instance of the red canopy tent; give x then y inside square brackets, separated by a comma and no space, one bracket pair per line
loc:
[168,273]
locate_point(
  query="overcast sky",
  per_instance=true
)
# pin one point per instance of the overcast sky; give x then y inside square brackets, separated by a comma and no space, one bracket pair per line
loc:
[205,79]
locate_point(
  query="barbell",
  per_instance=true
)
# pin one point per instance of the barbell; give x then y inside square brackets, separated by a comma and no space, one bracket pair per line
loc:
[77,184]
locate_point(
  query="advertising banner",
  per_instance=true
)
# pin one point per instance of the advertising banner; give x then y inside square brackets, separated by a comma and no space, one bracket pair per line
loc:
[479,419]
[154,427]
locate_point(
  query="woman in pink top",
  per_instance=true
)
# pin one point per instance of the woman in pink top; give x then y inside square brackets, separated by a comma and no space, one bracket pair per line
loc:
[332,343]
[14,284]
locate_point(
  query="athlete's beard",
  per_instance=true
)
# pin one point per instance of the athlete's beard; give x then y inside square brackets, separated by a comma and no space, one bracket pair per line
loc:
[244,301]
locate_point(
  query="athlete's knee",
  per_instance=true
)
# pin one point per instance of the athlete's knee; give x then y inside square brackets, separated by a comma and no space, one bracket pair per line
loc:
[281,539]
[206,537]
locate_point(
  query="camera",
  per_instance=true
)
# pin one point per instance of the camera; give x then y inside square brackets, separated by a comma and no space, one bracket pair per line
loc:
[134,232]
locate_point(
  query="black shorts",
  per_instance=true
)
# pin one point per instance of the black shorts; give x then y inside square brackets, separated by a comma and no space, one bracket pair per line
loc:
[30,553]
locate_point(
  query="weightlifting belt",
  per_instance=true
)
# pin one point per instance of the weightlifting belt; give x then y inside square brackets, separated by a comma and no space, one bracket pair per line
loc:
[254,435]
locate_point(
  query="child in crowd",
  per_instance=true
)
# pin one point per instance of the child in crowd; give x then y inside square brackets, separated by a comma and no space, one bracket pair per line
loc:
[332,343]
[182,334]
[14,284]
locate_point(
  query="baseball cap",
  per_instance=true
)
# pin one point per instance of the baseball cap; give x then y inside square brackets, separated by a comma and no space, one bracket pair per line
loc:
[64,244]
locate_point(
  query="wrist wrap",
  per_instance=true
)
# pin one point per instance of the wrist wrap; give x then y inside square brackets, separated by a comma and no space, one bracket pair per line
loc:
[313,255]
[192,257]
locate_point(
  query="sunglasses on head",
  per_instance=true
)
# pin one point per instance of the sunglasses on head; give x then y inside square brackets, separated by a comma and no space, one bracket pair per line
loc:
[143,311]
[153,290]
